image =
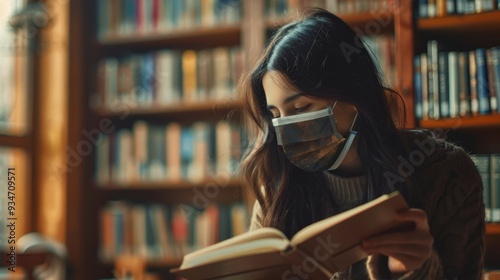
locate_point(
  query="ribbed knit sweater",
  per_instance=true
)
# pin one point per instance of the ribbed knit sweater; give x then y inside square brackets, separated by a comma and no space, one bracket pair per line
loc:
[449,190]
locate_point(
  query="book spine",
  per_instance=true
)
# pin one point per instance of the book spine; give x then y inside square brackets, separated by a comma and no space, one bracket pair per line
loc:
[423,8]
[425,86]
[432,8]
[418,86]
[482,82]
[441,7]
[451,7]
[433,79]
[453,80]
[474,101]
[464,83]
[491,80]
[444,102]
[495,57]
[495,187]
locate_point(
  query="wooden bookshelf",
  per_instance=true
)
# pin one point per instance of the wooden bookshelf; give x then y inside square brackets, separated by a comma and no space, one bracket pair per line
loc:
[477,28]
[15,141]
[476,122]
[172,185]
[493,228]
[180,109]
[205,37]
[486,22]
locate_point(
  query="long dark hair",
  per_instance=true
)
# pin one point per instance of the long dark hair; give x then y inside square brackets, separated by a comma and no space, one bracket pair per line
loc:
[322,57]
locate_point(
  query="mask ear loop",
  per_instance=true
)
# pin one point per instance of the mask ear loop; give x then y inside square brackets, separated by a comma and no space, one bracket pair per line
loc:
[354,121]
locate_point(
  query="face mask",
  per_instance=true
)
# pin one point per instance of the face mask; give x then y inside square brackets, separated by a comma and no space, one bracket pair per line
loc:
[311,141]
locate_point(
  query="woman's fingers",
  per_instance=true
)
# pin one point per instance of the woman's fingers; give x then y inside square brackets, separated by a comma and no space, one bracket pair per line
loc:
[407,237]
[415,215]
[417,251]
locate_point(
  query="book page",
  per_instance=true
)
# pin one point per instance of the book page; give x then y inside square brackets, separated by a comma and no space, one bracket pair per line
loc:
[318,227]
[334,242]
[262,239]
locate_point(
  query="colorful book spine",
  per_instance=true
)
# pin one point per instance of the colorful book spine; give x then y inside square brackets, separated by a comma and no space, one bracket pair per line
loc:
[168,77]
[495,187]
[482,82]
[166,232]
[132,17]
[495,57]
[418,87]
[444,97]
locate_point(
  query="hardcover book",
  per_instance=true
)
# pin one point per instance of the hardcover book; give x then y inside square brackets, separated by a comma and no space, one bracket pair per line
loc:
[318,250]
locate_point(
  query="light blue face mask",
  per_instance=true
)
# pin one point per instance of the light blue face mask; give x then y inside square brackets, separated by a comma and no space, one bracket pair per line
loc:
[311,141]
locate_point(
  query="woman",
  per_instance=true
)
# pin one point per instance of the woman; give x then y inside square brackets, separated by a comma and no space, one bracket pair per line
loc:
[323,141]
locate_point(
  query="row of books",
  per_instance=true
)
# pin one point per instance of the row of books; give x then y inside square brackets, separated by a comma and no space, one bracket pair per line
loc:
[488,166]
[166,232]
[279,8]
[132,17]
[355,6]
[439,8]
[169,76]
[454,84]
[173,152]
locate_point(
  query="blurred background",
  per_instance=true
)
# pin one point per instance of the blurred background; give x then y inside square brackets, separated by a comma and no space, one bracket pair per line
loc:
[120,124]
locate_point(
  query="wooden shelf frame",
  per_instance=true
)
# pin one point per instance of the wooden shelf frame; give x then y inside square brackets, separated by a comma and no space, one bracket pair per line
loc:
[221,35]
[463,123]
[493,228]
[174,109]
[171,185]
[484,22]
[11,141]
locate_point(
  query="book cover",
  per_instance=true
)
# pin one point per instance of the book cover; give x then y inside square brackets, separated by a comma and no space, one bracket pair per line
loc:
[266,253]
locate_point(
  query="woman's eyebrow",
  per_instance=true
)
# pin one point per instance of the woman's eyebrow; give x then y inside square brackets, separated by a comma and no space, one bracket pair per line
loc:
[287,100]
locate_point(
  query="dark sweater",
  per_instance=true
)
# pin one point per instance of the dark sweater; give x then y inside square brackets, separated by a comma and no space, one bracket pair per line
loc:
[449,189]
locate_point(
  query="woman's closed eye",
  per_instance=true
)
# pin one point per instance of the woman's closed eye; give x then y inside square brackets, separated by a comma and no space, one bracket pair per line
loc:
[300,109]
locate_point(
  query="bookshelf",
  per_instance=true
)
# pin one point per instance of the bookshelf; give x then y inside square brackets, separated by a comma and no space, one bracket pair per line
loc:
[477,132]
[87,196]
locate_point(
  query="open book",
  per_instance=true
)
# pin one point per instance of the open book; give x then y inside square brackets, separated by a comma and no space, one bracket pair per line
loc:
[315,252]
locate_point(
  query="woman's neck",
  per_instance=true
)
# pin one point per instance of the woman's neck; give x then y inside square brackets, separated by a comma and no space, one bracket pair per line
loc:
[351,166]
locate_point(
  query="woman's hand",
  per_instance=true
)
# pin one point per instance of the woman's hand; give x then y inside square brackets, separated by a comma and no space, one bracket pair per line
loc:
[407,250]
